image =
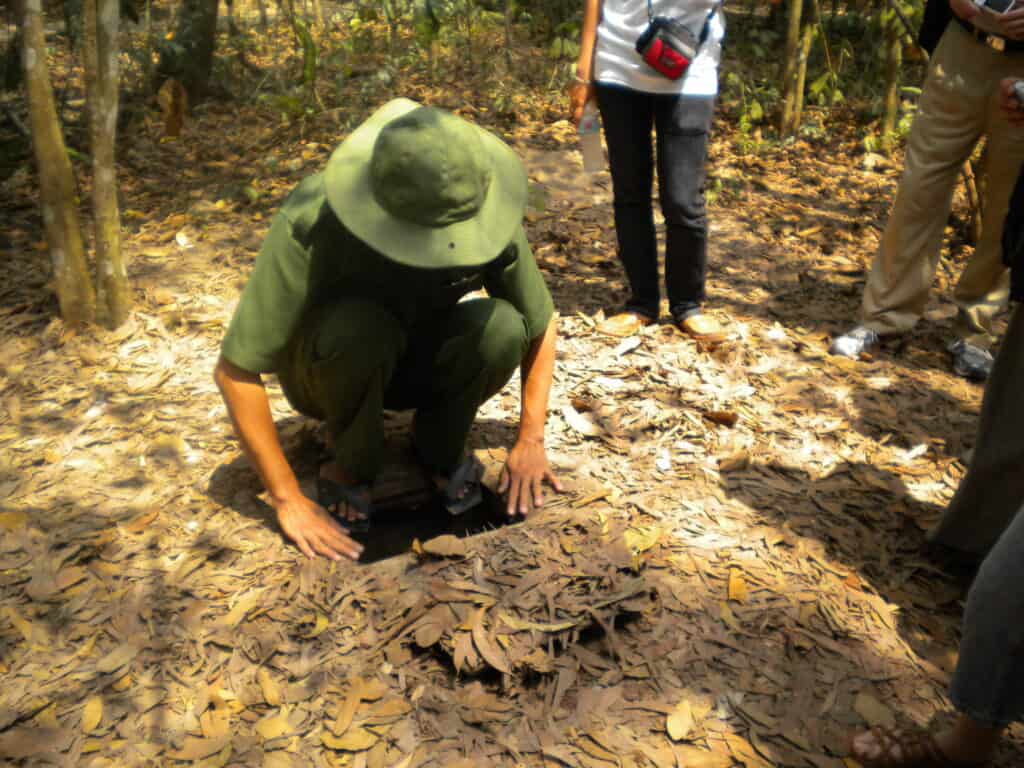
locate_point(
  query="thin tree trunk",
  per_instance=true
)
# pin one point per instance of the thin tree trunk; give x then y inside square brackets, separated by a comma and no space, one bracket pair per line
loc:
[806,40]
[790,66]
[101,80]
[975,201]
[147,67]
[56,183]
[508,34]
[893,64]
[264,24]
[12,63]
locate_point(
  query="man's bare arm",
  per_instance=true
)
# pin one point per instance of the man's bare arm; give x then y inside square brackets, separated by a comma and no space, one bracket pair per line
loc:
[527,467]
[304,521]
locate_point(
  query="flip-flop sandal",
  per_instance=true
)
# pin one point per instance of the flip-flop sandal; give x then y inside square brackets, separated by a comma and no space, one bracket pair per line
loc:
[332,495]
[918,749]
[466,479]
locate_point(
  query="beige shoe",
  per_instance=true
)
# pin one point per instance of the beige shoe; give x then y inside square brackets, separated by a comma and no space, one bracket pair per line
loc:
[623,324]
[703,328]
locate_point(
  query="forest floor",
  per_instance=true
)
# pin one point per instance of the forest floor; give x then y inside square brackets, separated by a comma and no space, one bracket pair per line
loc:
[734,576]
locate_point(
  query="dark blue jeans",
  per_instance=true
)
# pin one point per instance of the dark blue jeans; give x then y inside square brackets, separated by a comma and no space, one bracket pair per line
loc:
[681,125]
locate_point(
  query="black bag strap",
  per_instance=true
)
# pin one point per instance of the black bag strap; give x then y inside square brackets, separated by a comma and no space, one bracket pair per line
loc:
[705,28]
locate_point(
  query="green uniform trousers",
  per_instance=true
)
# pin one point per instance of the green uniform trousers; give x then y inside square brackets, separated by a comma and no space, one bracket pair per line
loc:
[992,492]
[352,359]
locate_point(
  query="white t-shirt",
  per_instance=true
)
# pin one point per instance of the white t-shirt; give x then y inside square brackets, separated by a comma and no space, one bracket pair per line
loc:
[622,22]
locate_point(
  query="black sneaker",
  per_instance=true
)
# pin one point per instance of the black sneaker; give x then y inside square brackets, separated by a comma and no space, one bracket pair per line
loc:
[855,342]
[969,361]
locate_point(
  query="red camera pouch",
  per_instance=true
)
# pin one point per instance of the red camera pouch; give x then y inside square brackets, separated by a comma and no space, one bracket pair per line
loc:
[667,47]
[664,58]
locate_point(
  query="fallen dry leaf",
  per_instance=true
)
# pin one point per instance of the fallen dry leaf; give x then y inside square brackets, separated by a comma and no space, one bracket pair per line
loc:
[680,723]
[92,714]
[737,586]
[445,546]
[197,749]
[874,712]
[269,687]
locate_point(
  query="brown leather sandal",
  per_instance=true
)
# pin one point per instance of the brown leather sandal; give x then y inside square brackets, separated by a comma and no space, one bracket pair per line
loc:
[917,749]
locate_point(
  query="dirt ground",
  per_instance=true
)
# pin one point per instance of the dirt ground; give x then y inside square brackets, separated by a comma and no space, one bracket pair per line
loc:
[734,576]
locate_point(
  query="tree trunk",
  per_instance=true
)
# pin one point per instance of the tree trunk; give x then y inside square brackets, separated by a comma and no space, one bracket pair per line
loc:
[893,64]
[509,7]
[188,58]
[790,67]
[975,200]
[101,80]
[56,184]
[12,63]
[806,40]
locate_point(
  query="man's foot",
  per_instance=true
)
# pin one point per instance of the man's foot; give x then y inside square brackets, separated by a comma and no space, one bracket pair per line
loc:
[855,342]
[461,491]
[702,327]
[969,361]
[884,748]
[623,324]
[348,502]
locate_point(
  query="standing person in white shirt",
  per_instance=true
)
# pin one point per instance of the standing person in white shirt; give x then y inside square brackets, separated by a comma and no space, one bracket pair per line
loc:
[633,97]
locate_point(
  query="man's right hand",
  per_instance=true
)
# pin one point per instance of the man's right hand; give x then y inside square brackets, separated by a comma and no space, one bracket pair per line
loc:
[314,531]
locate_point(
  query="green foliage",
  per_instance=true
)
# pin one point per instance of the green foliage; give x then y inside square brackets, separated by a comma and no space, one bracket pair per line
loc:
[825,90]
[309,52]
[363,40]
[563,48]
[546,17]
[745,100]
[426,24]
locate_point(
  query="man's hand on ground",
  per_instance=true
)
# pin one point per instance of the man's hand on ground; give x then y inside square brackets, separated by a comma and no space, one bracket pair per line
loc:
[314,531]
[522,479]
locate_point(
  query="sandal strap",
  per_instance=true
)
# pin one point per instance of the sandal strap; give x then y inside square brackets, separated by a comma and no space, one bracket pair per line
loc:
[917,749]
[465,477]
[331,494]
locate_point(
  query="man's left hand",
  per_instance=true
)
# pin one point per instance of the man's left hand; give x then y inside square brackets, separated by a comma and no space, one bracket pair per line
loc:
[522,479]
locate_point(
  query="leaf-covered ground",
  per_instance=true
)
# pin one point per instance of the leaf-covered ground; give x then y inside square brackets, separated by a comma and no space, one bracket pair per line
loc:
[734,576]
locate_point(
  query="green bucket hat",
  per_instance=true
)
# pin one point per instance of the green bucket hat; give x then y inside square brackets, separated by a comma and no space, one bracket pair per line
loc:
[426,188]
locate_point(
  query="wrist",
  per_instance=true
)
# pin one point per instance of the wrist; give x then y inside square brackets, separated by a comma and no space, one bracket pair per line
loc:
[280,497]
[531,437]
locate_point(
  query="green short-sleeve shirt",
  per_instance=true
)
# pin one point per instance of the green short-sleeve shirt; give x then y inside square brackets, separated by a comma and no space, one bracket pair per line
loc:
[309,259]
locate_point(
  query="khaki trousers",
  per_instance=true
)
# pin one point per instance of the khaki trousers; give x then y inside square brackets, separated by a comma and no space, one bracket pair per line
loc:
[959,104]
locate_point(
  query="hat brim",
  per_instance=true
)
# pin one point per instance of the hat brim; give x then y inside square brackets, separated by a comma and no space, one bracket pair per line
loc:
[468,243]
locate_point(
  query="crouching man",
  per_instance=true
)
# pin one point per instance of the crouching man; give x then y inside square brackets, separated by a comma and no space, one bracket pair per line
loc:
[354,303]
